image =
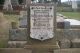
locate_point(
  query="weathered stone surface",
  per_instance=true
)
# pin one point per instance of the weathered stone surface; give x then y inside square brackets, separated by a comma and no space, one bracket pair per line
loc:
[72,50]
[14,50]
[23,22]
[75,26]
[76,43]
[42,21]
[63,25]
[23,19]
[65,43]
[60,25]
[17,34]
[69,34]
[74,33]
[66,25]
[16,44]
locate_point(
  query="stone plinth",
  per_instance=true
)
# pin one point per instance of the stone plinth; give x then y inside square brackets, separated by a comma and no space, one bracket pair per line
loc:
[76,43]
[72,50]
[43,48]
[17,35]
[65,43]
[14,50]
[16,44]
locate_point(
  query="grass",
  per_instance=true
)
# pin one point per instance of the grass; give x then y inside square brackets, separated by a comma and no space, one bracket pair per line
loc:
[12,18]
[4,31]
[3,43]
[72,15]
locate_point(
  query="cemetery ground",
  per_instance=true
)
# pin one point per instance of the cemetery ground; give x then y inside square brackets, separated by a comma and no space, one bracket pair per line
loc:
[14,18]
[71,15]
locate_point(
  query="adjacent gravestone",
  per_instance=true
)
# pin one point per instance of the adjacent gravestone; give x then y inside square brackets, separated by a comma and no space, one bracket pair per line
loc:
[66,29]
[8,5]
[67,25]
[23,19]
[17,36]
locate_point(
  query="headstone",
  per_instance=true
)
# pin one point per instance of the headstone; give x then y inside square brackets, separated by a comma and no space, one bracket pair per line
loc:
[8,5]
[23,19]
[66,29]
[66,25]
[42,22]
[41,28]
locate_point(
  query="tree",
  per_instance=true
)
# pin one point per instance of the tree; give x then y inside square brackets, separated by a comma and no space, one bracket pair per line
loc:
[20,1]
[2,2]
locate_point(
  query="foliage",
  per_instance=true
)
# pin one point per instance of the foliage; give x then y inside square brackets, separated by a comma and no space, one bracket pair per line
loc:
[2,2]
[3,43]
[20,1]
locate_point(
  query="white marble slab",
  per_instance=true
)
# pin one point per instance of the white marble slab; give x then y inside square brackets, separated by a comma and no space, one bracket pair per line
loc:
[41,22]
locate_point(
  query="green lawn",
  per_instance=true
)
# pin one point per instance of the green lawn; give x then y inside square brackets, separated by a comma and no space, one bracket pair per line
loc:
[73,15]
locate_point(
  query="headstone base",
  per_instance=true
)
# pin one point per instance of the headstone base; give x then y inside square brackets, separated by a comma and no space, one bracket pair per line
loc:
[42,48]
[76,43]
[16,44]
